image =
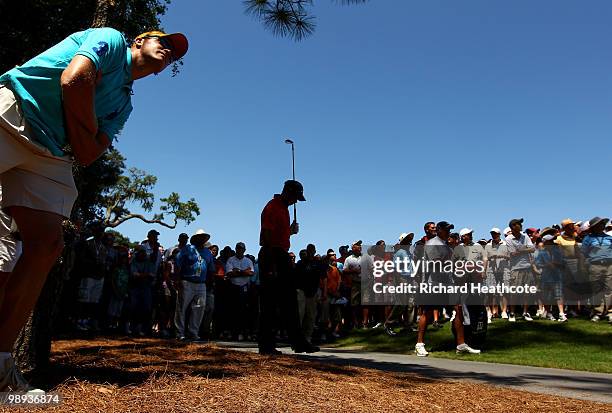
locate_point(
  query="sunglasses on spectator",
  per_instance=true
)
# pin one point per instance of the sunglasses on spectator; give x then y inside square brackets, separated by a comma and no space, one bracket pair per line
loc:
[164,42]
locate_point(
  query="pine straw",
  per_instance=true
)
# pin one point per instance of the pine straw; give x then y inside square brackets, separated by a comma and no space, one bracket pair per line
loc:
[149,375]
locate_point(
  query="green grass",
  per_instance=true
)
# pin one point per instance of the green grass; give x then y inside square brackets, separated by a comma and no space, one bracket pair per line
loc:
[575,345]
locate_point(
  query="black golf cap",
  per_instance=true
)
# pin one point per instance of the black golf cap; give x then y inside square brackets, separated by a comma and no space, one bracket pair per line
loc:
[296,188]
[515,221]
[597,220]
[444,225]
[153,232]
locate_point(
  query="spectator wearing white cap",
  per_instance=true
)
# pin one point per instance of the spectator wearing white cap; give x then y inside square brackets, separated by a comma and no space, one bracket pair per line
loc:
[496,266]
[609,229]
[192,268]
[468,250]
[403,308]
[585,227]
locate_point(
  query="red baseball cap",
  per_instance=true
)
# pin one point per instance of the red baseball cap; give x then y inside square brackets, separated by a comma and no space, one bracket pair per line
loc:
[178,42]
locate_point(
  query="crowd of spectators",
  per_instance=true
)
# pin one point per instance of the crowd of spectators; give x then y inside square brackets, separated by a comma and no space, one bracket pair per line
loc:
[196,291]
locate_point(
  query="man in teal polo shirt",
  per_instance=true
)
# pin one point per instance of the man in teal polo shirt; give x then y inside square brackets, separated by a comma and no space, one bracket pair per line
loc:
[67,103]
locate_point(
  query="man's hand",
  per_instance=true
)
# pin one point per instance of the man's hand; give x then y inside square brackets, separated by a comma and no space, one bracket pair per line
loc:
[294,228]
[78,83]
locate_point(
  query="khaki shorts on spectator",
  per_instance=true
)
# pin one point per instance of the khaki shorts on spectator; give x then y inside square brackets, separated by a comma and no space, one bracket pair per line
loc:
[29,175]
[90,290]
[522,277]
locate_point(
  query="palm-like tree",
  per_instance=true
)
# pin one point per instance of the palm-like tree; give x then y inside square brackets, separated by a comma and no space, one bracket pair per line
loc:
[287,18]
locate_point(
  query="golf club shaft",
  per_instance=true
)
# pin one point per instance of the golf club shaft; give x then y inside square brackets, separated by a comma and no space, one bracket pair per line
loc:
[293,168]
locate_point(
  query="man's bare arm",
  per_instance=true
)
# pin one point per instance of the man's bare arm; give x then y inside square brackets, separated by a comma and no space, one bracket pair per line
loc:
[78,83]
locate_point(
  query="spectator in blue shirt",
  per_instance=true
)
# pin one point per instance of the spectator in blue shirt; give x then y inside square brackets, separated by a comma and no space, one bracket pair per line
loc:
[193,267]
[597,251]
[549,260]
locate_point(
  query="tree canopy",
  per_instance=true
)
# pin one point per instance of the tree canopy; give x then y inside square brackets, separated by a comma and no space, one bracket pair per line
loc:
[136,187]
[28,27]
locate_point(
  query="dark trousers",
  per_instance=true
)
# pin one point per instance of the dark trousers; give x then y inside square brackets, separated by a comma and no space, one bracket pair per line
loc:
[277,293]
[239,298]
[141,306]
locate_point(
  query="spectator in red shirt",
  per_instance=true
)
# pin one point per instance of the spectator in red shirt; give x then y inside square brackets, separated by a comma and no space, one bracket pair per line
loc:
[330,300]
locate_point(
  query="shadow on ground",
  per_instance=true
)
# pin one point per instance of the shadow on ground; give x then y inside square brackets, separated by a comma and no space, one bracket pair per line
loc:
[133,362]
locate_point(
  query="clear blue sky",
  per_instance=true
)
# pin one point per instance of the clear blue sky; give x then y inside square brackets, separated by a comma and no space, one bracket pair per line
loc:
[402,112]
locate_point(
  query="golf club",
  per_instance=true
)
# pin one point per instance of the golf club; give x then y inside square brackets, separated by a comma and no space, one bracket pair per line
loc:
[289,141]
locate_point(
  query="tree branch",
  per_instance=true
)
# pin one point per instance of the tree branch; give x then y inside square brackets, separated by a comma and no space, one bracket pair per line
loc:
[121,220]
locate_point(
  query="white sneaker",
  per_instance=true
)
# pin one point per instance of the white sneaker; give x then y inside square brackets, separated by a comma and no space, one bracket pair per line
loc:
[378,325]
[11,379]
[550,317]
[527,317]
[504,315]
[539,313]
[595,319]
[562,318]
[464,348]
[511,318]
[420,351]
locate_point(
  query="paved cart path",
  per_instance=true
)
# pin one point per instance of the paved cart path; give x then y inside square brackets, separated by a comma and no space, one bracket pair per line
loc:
[566,383]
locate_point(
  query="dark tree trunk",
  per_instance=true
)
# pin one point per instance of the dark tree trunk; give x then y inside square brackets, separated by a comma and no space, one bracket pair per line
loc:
[33,346]
[104,10]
